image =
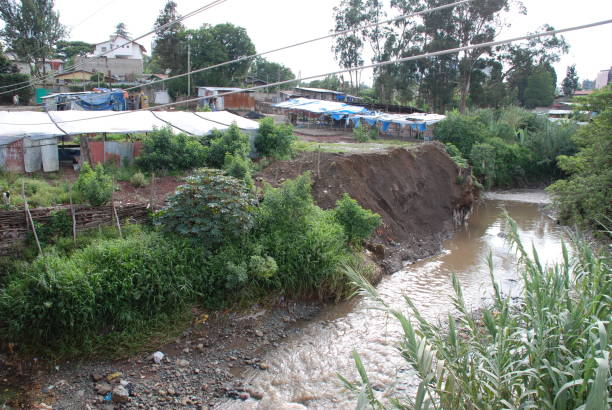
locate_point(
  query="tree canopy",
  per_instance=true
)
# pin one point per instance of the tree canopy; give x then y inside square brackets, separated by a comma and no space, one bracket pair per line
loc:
[31,30]
[571,82]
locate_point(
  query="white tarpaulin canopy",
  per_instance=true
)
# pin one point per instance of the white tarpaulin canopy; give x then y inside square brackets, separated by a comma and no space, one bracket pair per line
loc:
[26,126]
[37,125]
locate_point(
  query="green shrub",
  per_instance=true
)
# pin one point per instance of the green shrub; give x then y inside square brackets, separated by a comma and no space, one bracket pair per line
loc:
[58,225]
[463,131]
[456,155]
[162,150]
[108,287]
[358,223]
[94,185]
[307,243]
[585,198]
[231,141]
[274,140]
[139,180]
[211,208]
[238,167]
[361,134]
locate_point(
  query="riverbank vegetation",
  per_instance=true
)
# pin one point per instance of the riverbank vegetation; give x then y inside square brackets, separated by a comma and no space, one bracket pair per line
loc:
[214,245]
[549,349]
[508,147]
[585,198]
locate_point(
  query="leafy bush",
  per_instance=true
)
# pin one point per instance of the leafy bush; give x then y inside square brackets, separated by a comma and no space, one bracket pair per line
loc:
[139,180]
[550,351]
[162,150]
[94,185]
[211,208]
[274,140]
[108,287]
[463,131]
[456,155]
[586,197]
[307,243]
[358,223]
[40,193]
[58,225]
[365,133]
[231,141]
[238,167]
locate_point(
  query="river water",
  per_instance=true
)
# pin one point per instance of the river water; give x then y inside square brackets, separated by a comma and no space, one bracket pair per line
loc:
[303,370]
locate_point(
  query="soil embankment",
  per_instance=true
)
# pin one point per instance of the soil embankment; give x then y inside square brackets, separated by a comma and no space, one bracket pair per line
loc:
[421,194]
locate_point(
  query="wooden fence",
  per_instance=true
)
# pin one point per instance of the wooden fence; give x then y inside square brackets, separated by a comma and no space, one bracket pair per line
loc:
[14,225]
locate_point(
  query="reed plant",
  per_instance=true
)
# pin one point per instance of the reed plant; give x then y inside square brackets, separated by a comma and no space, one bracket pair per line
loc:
[549,350]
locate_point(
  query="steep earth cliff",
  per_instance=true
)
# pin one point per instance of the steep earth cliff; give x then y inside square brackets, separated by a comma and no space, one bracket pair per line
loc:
[421,194]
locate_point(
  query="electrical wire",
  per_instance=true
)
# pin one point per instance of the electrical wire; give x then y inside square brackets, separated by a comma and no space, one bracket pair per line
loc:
[32,82]
[331,35]
[363,67]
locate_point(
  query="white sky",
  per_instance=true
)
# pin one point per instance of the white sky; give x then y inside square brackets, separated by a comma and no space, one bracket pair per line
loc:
[275,23]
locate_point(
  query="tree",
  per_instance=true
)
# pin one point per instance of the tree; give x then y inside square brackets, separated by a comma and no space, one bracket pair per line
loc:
[524,59]
[270,72]
[348,48]
[121,30]
[570,82]
[585,198]
[67,50]
[588,84]
[32,29]
[540,91]
[166,49]
[212,45]
[6,67]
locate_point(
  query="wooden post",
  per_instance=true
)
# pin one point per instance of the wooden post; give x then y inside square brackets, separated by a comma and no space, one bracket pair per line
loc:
[117,219]
[73,219]
[152,192]
[29,217]
[319,162]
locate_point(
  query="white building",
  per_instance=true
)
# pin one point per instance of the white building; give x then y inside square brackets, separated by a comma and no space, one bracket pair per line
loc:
[51,65]
[120,47]
[603,78]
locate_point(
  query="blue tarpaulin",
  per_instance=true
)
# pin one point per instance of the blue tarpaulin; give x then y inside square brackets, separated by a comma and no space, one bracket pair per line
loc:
[113,100]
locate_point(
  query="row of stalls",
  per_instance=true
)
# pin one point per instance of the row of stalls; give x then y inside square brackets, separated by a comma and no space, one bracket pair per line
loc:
[330,114]
[32,141]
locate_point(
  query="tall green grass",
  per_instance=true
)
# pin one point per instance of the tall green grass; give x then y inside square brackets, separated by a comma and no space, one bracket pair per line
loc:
[549,351]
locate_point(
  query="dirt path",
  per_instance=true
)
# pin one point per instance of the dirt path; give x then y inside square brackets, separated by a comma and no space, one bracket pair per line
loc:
[203,365]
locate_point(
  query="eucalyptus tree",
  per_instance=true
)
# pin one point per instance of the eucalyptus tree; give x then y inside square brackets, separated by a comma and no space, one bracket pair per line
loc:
[31,30]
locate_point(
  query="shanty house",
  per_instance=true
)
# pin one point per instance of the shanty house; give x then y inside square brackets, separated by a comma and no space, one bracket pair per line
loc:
[239,99]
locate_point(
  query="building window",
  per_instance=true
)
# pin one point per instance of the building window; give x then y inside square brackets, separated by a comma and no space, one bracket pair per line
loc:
[104,49]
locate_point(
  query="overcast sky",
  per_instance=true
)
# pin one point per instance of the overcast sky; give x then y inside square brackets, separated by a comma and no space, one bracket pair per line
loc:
[275,23]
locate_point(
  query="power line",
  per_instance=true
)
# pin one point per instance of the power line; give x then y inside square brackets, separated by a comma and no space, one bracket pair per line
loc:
[363,67]
[335,34]
[163,27]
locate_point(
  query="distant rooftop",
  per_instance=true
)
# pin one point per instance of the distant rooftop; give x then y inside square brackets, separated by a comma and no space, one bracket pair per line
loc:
[318,90]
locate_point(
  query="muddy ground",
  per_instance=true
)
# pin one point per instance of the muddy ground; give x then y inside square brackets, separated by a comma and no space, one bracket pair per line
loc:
[419,192]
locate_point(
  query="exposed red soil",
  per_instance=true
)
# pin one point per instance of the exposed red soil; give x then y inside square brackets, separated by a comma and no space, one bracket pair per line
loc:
[420,193]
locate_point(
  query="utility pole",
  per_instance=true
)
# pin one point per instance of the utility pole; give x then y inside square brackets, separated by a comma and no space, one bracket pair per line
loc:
[188,70]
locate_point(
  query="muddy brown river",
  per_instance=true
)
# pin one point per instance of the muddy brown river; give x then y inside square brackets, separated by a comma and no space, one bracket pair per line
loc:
[303,370]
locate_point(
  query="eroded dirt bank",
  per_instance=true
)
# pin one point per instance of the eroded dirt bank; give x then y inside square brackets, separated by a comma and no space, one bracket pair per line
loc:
[421,194]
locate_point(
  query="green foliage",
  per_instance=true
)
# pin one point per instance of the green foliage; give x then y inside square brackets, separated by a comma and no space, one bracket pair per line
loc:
[456,155]
[550,351]
[540,91]
[58,225]
[585,198]
[163,150]
[94,185]
[139,180]
[358,223]
[365,133]
[108,287]
[39,192]
[7,80]
[210,208]
[238,167]
[270,72]
[274,140]
[307,243]
[231,141]
[463,131]
[571,82]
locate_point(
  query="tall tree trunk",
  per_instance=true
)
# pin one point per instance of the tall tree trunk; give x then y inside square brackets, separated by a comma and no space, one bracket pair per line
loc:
[466,81]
